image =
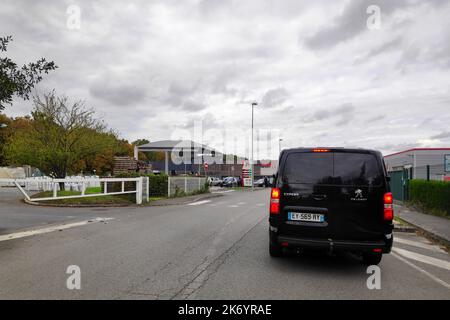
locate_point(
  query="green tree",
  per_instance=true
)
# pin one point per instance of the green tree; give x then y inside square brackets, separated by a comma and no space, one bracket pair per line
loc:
[140,142]
[143,156]
[60,135]
[12,125]
[15,80]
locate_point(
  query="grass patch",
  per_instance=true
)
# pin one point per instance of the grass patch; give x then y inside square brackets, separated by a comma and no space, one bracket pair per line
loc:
[401,221]
[156,198]
[98,200]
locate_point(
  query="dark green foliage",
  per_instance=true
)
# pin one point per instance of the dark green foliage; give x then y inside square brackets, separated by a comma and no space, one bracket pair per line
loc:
[157,183]
[432,196]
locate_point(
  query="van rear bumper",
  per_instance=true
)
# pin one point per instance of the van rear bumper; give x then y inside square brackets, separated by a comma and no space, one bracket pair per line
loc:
[336,245]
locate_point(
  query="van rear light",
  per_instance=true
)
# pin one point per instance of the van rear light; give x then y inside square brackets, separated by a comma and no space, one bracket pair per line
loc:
[321,150]
[275,201]
[388,198]
[388,206]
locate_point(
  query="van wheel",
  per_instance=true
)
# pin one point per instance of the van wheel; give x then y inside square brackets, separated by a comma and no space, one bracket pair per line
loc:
[275,250]
[371,258]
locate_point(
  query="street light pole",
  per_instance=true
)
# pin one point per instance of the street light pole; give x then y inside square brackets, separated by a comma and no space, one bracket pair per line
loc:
[254,104]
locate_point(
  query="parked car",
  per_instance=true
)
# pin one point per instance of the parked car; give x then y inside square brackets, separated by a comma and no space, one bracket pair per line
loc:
[229,182]
[214,181]
[333,199]
[259,183]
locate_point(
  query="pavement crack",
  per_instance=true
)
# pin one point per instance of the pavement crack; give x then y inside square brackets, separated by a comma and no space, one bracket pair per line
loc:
[207,269]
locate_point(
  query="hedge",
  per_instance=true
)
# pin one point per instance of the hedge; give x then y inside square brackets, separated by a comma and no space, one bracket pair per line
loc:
[432,196]
[157,183]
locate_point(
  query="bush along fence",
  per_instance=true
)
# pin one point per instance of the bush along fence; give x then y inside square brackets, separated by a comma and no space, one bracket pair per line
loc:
[432,196]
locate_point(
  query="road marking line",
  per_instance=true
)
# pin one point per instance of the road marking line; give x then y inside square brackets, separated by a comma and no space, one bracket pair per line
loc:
[34,232]
[225,191]
[198,202]
[422,258]
[418,244]
[442,282]
[233,206]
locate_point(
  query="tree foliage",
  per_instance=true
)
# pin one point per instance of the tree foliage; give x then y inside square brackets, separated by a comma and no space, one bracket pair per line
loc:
[143,156]
[140,142]
[15,80]
[62,138]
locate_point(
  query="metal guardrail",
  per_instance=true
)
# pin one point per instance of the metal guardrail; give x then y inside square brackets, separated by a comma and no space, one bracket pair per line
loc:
[83,182]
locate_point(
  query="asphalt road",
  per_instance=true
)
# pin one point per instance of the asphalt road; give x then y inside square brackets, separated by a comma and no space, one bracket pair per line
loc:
[213,249]
[15,214]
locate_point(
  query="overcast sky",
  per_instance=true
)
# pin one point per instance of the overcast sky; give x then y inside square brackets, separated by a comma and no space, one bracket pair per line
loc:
[320,75]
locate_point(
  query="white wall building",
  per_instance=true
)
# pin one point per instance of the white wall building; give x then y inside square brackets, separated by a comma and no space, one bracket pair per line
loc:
[438,160]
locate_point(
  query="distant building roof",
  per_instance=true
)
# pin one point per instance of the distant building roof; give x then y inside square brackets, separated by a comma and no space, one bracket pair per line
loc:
[173,145]
[418,149]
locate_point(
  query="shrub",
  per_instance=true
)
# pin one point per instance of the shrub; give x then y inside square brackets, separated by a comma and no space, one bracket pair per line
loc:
[157,185]
[432,196]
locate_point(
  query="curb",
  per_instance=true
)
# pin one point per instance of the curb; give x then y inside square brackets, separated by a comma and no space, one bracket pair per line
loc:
[431,235]
[405,229]
[32,203]
[149,204]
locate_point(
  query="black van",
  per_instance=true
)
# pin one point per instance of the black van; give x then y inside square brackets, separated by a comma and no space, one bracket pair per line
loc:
[332,199]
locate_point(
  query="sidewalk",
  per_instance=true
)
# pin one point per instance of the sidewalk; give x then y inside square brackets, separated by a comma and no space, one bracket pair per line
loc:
[437,227]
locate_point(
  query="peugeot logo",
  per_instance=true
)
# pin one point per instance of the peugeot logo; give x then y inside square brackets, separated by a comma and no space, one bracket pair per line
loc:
[358,194]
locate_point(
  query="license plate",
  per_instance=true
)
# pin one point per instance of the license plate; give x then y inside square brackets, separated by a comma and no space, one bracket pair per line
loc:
[308,217]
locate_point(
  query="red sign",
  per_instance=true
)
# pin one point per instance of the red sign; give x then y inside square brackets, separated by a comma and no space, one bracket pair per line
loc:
[205,166]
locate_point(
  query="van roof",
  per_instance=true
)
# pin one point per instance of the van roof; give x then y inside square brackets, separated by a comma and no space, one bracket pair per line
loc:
[340,149]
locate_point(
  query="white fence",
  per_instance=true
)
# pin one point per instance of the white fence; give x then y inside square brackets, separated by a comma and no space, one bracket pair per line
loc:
[175,185]
[72,183]
[78,184]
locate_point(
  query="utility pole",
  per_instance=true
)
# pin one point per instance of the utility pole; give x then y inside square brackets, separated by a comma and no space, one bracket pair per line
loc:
[254,104]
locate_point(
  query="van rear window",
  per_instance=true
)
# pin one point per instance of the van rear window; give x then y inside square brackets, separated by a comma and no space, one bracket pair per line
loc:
[333,168]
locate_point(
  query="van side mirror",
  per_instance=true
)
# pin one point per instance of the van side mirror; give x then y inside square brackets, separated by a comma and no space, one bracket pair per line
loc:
[273,180]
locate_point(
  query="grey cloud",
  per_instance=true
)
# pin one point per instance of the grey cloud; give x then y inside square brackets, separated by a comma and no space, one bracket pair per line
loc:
[387,46]
[191,105]
[322,114]
[391,148]
[442,135]
[274,97]
[350,23]
[376,118]
[208,121]
[179,93]
[344,111]
[118,94]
